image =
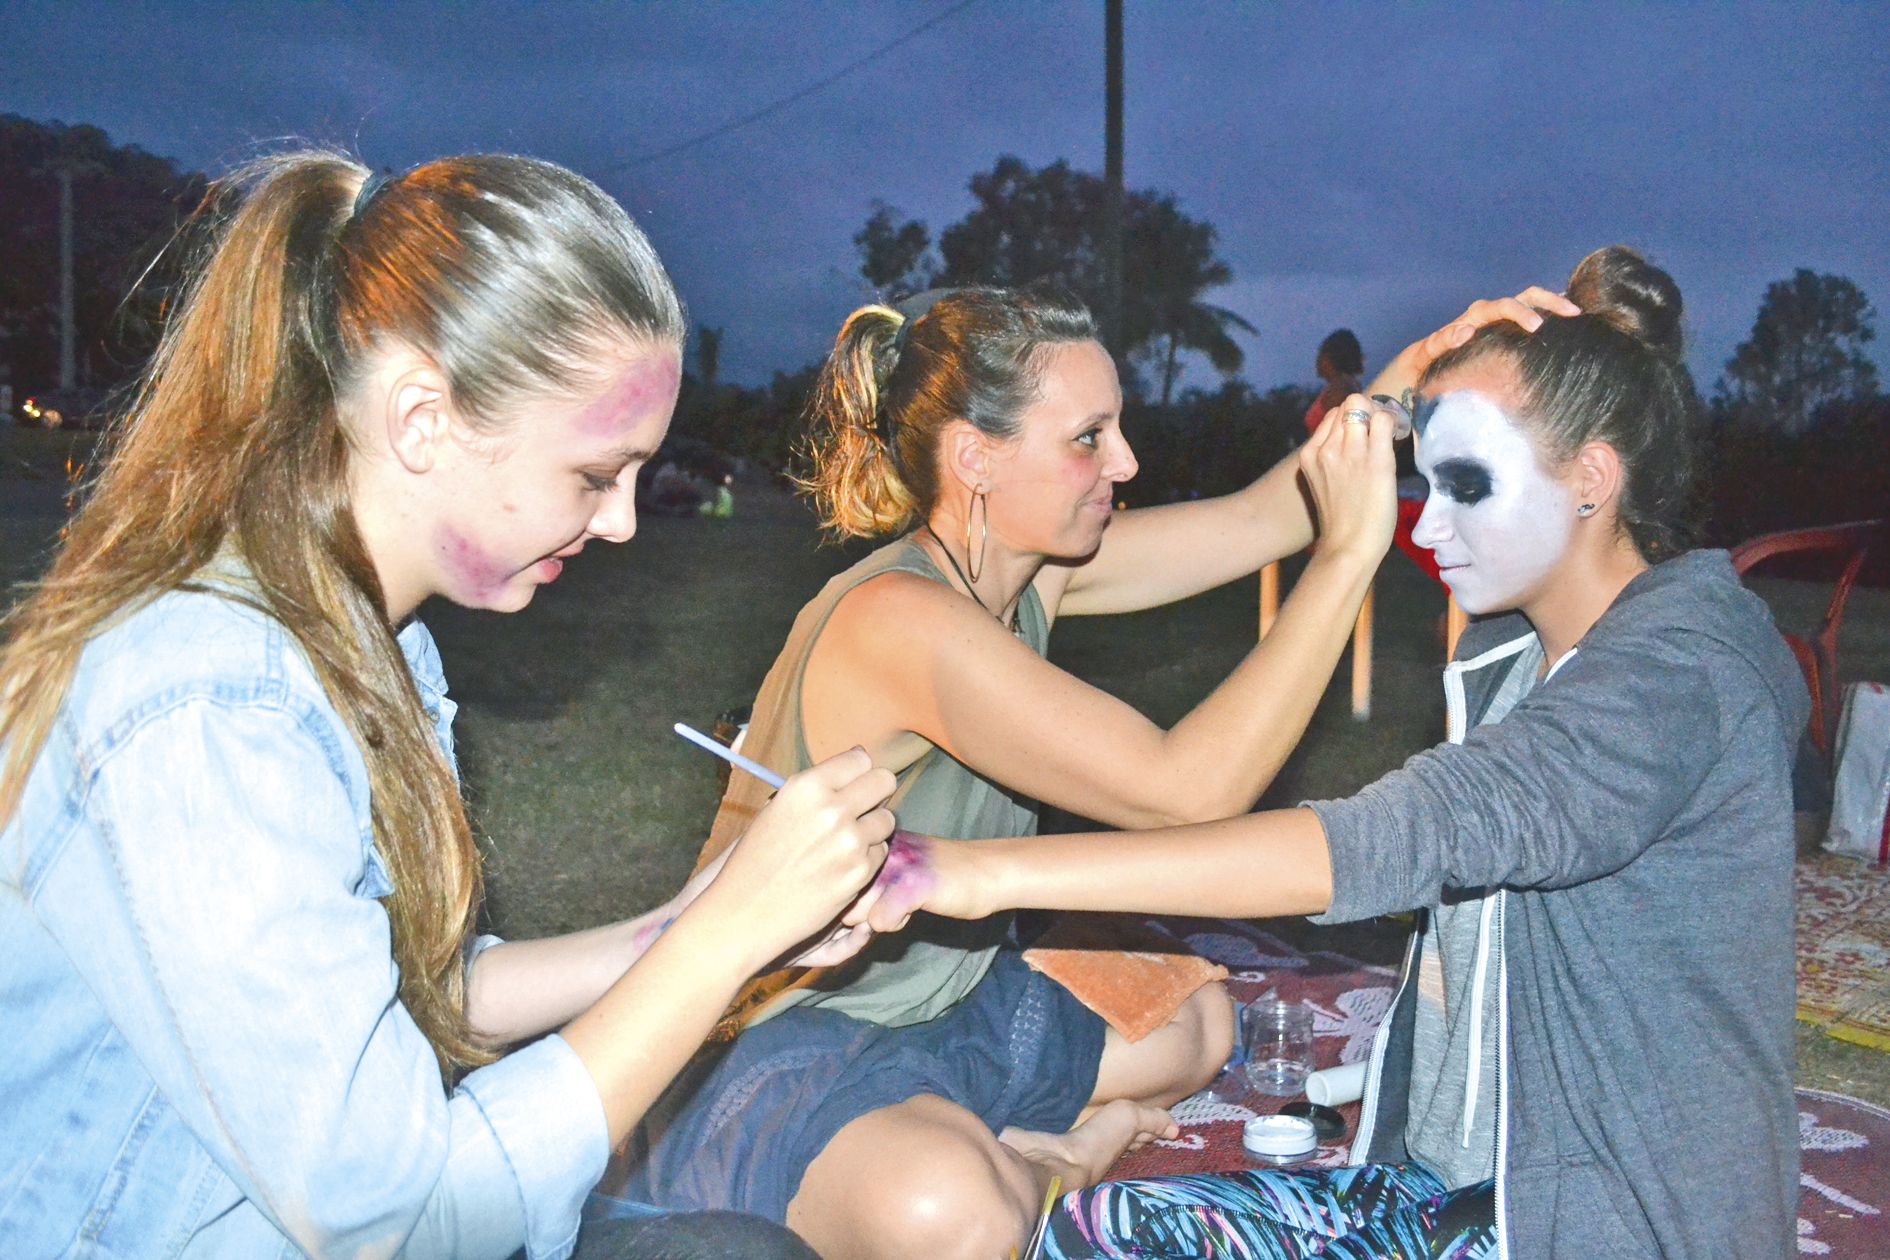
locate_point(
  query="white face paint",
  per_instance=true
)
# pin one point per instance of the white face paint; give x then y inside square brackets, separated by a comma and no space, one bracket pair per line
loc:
[1497,522]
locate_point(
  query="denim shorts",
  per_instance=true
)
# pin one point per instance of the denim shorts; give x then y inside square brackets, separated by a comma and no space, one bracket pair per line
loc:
[740,1126]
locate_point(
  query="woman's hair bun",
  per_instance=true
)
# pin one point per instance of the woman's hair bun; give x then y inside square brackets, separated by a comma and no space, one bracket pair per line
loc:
[1619,287]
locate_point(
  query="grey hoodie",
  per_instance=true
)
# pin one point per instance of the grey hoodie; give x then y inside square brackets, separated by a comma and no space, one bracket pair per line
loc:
[1635,811]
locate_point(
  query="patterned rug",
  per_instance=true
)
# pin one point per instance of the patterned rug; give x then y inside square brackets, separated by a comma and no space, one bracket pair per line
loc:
[1348,1000]
[1844,1142]
[1844,949]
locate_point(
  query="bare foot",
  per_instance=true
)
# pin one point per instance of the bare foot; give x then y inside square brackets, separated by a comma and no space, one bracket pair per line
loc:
[1081,1156]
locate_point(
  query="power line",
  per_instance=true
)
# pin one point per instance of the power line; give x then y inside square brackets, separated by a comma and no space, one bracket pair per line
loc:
[777,106]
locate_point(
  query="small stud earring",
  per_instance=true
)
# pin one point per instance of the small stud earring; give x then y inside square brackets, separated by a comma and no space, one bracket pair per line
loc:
[1586,509]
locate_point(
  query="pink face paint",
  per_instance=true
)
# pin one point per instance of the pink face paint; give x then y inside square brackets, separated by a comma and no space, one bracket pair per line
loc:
[476,574]
[907,878]
[648,386]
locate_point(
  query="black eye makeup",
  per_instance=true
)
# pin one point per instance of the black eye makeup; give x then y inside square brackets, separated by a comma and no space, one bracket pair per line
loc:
[1465,480]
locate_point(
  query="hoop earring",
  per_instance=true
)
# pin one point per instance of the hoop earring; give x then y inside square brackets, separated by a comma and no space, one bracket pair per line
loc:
[975,566]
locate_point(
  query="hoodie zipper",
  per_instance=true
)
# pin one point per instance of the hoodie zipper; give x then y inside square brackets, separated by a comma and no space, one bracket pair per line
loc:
[1457,709]
[1498,1083]
[1375,1064]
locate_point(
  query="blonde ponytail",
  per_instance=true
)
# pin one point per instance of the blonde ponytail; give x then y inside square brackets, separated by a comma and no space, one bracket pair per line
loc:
[856,488]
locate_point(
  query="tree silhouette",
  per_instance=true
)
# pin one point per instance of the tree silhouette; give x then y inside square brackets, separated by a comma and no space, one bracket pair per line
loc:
[1031,225]
[128,204]
[894,258]
[1805,353]
[1170,261]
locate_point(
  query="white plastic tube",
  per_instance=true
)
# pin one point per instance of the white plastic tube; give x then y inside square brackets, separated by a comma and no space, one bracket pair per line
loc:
[1337,1086]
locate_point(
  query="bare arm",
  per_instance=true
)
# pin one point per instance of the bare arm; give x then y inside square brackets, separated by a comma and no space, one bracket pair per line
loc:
[902,654]
[522,989]
[1154,556]
[1254,866]
[808,854]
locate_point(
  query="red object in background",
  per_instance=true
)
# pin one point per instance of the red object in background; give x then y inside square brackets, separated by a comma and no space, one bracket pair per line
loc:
[1817,654]
[1408,512]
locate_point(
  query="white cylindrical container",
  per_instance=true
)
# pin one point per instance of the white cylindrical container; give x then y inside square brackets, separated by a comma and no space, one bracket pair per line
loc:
[1334,1087]
[1278,1139]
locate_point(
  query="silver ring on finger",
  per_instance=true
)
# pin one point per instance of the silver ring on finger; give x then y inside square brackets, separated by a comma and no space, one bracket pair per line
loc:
[1357,415]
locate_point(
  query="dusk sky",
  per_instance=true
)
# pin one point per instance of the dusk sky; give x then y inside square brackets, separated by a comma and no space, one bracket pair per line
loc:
[1365,165]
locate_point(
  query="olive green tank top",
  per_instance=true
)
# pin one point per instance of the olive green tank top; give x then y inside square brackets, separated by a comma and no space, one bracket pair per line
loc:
[921,972]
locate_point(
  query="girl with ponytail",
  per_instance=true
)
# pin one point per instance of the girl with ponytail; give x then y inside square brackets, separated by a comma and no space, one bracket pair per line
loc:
[247,1013]
[1590,1052]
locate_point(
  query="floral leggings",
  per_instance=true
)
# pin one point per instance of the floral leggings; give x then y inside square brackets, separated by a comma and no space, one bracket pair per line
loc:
[1373,1212]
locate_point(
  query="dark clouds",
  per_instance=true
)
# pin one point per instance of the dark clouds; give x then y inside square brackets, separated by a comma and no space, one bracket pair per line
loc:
[1366,165]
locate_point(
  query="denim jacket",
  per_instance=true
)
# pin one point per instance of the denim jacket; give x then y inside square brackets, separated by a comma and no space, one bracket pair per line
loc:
[204,1050]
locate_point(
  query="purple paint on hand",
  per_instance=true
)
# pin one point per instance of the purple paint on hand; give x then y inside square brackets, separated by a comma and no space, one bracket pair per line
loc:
[907,878]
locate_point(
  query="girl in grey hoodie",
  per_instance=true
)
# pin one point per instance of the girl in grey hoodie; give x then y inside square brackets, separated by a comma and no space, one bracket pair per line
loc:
[1590,1053]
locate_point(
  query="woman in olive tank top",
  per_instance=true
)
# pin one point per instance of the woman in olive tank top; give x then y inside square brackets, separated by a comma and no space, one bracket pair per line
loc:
[979,429]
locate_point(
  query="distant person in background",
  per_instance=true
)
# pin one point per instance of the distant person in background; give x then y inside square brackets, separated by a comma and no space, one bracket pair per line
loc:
[1341,363]
[720,505]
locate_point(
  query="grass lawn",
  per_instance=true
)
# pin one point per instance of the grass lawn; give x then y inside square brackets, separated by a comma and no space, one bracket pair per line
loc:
[590,809]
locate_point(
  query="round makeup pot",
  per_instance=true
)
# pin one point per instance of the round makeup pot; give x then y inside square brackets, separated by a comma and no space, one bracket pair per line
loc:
[1279,1140]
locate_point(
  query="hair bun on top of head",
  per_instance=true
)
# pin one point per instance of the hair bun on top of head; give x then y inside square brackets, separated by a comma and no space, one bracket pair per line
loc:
[1616,285]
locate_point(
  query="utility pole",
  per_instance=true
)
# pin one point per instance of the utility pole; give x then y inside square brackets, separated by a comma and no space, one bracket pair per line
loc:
[1112,177]
[68,335]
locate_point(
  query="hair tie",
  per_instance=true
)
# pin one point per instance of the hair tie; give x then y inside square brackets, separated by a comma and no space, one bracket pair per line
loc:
[883,430]
[375,181]
[899,335]
[915,308]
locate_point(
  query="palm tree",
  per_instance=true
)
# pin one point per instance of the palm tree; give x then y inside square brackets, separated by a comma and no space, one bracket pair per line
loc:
[1170,264]
[1203,328]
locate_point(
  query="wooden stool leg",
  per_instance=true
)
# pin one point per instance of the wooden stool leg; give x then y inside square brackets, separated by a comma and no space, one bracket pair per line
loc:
[1454,622]
[1269,596]
[1362,659]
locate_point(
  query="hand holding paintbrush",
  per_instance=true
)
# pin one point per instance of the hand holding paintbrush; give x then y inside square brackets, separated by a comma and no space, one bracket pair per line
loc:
[900,885]
[807,855]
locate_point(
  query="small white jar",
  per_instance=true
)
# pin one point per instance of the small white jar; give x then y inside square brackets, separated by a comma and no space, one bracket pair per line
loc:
[1279,1140]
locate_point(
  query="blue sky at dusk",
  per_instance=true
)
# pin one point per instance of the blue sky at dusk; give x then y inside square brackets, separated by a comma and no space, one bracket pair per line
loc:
[1366,165]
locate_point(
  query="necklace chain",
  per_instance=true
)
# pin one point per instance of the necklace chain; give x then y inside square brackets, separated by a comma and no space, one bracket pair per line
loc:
[969,588]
